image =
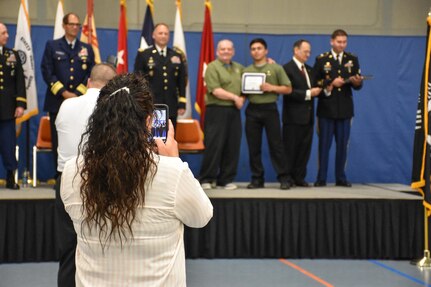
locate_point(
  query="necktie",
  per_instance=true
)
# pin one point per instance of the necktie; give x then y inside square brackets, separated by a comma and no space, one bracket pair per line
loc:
[162,53]
[303,70]
[71,46]
[338,58]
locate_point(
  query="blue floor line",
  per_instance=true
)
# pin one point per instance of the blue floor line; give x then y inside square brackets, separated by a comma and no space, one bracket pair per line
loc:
[411,278]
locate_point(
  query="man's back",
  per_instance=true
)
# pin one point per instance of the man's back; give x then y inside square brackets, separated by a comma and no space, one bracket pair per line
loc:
[71,123]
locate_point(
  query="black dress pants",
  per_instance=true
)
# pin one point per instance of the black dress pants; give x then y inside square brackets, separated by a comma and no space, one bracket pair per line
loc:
[258,118]
[66,237]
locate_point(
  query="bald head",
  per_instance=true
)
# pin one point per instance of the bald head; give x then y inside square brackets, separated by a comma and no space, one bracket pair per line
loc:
[225,51]
[100,75]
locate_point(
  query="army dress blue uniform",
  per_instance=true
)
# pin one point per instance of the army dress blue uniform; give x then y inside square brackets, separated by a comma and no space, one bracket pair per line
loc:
[12,95]
[167,77]
[335,111]
[64,68]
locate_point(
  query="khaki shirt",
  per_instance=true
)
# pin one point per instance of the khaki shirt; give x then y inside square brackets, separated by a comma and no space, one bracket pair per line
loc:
[227,77]
[275,75]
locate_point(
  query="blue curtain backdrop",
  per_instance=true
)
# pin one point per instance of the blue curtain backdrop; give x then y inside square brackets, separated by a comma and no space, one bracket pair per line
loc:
[381,140]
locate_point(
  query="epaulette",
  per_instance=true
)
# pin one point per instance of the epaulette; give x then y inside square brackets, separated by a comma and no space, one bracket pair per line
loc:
[350,54]
[148,48]
[323,55]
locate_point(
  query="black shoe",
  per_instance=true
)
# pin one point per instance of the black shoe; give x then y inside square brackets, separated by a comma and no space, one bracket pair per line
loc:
[302,183]
[12,185]
[285,185]
[320,183]
[344,183]
[10,182]
[254,185]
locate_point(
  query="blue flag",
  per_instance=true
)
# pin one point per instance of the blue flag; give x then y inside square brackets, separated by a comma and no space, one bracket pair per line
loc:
[148,27]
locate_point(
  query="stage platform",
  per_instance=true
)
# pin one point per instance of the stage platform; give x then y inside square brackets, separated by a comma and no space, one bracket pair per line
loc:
[381,221]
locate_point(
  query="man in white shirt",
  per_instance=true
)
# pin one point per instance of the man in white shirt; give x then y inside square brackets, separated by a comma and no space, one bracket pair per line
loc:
[71,123]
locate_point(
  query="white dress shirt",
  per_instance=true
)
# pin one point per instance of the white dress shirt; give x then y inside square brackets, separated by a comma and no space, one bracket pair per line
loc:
[71,123]
[155,255]
[300,65]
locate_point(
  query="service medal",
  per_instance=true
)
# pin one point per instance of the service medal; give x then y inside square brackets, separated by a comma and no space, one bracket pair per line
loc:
[84,66]
[327,67]
[150,63]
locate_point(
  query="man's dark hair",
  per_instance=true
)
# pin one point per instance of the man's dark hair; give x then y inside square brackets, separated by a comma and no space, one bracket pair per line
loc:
[338,32]
[298,43]
[258,40]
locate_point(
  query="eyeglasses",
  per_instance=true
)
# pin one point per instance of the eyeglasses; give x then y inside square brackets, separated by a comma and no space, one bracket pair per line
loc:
[74,24]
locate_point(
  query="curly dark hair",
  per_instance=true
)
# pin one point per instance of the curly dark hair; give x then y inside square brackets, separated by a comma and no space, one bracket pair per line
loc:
[118,162]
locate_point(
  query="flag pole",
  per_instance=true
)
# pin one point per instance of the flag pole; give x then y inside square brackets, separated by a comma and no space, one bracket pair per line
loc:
[425,262]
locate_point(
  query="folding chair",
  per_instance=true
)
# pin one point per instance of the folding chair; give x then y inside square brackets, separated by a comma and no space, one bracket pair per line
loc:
[43,143]
[189,136]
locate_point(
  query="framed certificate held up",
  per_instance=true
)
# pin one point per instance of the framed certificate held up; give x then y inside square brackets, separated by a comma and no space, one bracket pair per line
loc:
[251,83]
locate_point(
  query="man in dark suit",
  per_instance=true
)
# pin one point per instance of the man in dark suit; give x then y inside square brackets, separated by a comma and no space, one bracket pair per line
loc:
[12,104]
[338,72]
[166,72]
[298,113]
[66,66]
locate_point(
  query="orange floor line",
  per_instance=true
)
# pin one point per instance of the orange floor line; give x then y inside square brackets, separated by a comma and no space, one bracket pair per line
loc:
[305,272]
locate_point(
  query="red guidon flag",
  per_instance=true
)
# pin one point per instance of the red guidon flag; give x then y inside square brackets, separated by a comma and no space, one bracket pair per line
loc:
[88,34]
[206,56]
[122,66]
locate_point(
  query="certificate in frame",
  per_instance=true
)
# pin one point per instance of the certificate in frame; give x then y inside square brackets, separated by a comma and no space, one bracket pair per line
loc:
[251,83]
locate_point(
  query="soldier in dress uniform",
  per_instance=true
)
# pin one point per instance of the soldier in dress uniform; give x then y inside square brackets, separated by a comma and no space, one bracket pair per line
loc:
[66,67]
[12,104]
[165,70]
[338,73]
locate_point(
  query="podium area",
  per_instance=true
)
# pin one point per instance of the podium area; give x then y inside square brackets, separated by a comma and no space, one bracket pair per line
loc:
[366,221]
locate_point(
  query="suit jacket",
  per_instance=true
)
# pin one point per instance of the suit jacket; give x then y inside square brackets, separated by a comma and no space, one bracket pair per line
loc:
[12,84]
[339,105]
[297,110]
[166,75]
[64,69]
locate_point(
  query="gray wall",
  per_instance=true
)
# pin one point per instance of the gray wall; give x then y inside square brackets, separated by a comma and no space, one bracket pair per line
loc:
[363,17]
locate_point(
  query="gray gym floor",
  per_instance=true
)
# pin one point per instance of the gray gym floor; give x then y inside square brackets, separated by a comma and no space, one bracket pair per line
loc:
[256,273]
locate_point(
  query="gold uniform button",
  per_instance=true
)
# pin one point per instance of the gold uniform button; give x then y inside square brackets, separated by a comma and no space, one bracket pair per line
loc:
[165,74]
[339,89]
[1,73]
[166,80]
[71,69]
[1,87]
[339,72]
[71,86]
[71,60]
[1,80]
[71,77]
[58,58]
[1,66]
[166,88]
[164,67]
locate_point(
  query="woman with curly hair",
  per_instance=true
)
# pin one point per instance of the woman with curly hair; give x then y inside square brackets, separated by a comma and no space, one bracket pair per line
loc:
[128,197]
